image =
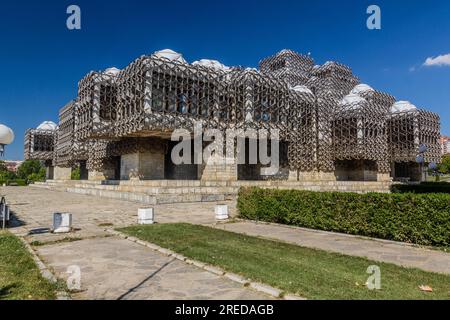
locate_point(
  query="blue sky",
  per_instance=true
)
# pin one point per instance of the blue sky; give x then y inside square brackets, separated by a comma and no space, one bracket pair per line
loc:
[41,60]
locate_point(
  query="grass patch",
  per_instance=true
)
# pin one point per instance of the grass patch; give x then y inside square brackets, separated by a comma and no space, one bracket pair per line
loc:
[313,274]
[20,278]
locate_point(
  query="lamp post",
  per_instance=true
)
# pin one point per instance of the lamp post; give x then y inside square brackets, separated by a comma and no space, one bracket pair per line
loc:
[6,137]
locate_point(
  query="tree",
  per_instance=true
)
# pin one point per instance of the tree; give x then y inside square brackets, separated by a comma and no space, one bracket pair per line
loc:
[5,174]
[32,170]
[444,166]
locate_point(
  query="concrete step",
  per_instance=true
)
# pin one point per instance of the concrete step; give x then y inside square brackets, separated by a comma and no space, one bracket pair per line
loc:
[162,190]
[150,196]
[151,199]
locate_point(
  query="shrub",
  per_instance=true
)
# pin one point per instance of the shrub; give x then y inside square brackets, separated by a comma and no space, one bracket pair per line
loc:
[32,170]
[415,218]
[424,187]
[75,174]
[14,182]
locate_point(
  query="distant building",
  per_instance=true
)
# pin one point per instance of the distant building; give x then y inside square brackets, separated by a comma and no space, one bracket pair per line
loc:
[13,165]
[445,144]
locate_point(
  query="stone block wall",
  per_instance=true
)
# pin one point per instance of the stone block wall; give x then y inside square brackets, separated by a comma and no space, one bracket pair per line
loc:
[142,166]
[219,170]
[60,173]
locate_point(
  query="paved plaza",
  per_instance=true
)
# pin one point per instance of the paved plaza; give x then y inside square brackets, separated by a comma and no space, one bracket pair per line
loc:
[115,268]
[112,267]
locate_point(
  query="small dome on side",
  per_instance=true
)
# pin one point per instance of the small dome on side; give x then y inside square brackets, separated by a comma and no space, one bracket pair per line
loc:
[351,99]
[403,106]
[47,126]
[361,88]
[214,64]
[170,54]
[302,89]
[113,71]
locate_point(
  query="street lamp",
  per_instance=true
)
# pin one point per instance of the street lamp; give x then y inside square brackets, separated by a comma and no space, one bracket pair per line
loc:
[420,159]
[6,137]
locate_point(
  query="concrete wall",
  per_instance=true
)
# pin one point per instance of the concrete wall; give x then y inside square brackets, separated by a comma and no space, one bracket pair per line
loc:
[356,170]
[179,191]
[181,171]
[142,166]
[106,174]
[407,170]
[60,173]
[49,172]
[219,170]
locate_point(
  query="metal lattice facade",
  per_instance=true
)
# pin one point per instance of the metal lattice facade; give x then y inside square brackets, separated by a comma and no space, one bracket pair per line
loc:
[411,129]
[40,144]
[324,116]
[69,151]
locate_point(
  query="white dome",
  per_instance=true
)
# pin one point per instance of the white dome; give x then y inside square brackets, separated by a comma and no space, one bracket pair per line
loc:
[112,71]
[361,88]
[214,64]
[301,89]
[47,126]
[6,135]
[403,106]
[352,100]
[170,54]
[284,51]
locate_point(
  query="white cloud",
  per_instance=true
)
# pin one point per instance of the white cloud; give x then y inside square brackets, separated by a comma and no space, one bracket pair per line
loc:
[442,60]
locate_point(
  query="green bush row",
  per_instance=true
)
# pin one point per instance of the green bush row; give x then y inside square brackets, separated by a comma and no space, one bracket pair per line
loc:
[14,182]
[415,218]
[424,187]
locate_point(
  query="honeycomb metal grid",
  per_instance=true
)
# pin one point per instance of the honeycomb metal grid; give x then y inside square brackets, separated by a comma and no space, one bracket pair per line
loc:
[39,144]
[409,130]
[95,110]
[154,96]
[69,151]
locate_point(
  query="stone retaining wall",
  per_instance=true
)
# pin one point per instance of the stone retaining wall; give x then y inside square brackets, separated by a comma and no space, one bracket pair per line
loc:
[179,191]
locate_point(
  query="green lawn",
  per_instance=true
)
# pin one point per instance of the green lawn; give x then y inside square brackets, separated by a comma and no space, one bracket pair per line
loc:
[19,276]
[313,274]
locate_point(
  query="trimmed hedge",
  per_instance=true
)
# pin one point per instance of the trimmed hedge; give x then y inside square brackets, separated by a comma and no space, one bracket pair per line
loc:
[424,187]
[415,218]
[15,182]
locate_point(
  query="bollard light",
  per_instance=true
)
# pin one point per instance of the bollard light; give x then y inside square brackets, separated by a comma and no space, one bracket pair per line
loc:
[221,212]
[146,216]
[62,222]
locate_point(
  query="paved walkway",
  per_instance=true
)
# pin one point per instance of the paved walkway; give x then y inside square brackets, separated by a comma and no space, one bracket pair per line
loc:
[91,215]
[115,268]
[379,250]
[112,267]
